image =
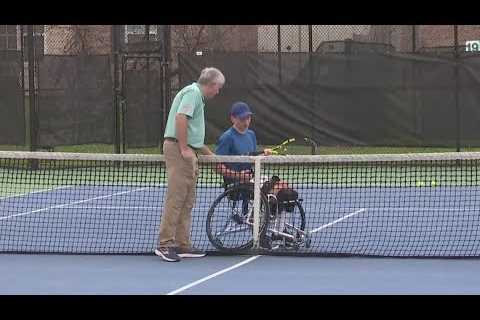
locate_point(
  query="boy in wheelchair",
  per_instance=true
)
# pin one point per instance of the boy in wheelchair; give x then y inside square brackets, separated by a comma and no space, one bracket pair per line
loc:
[240,140]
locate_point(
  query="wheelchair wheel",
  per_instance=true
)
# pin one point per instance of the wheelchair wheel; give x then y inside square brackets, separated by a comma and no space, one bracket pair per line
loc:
[230,219]
[290,221]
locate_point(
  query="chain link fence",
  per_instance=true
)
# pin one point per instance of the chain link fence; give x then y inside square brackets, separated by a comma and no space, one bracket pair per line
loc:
[410,96]
[87,88]
[12,112]
[109,88]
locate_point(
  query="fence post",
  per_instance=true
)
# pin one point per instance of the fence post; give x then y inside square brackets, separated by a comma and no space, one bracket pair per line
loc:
[457,106]
[33,120]
[147,82]
[414,40]
[310,82]
[22,54]
[116,88]
[31,89]
[417,120]
[279,53]
[310,38]
[166,78]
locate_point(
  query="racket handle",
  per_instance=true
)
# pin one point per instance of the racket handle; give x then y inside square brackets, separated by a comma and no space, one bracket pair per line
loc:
[255,153]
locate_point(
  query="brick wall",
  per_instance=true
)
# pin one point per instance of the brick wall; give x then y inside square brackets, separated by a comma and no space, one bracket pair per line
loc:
[294,38]
[191,38]
[466,33]
[400,36]
[73,39]
[427,36]
[96,39]
[207,38]
[435,36]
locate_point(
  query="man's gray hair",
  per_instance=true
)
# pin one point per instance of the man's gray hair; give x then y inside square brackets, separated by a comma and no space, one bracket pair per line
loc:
[210,76]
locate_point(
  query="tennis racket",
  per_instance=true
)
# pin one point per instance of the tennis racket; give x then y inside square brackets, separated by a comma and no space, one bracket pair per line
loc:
[282,147]
[276,150]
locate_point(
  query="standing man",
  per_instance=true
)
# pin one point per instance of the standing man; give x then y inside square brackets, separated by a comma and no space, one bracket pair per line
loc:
[184,138]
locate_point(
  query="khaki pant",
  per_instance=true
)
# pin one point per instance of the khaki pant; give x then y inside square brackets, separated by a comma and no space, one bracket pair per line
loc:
[176,222]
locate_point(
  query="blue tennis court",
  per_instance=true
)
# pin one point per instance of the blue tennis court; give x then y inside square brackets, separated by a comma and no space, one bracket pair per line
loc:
[376,221]
[138,275]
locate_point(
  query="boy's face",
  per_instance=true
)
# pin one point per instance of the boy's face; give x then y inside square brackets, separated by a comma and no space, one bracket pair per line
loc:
[241,124]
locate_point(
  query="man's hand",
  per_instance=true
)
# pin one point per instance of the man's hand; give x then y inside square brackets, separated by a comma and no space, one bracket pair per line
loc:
[267,152]
[187,153]
[206,151]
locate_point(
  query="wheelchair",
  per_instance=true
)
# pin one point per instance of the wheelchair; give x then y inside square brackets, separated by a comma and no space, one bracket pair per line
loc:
[282,218]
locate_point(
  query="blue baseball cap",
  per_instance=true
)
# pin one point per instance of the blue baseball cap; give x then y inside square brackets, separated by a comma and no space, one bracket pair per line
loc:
[240,110]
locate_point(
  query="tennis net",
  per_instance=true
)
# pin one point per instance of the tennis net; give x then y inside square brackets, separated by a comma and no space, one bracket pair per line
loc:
[419,205]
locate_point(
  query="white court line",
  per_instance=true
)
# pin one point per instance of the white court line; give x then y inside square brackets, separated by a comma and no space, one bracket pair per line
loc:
[338,220]
[212,275]
[199,208]
[33,192]
[115,208]
[426,209]
[412,208]
[69,204]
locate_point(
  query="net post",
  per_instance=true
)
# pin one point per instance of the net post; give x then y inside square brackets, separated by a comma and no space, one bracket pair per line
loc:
[256,204]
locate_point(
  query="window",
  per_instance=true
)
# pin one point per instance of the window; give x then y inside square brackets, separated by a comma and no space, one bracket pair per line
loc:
[8,37]
[136,33]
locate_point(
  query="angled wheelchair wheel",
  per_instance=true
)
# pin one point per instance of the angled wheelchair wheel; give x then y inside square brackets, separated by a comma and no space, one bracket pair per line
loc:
[291,221]
[230,219]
